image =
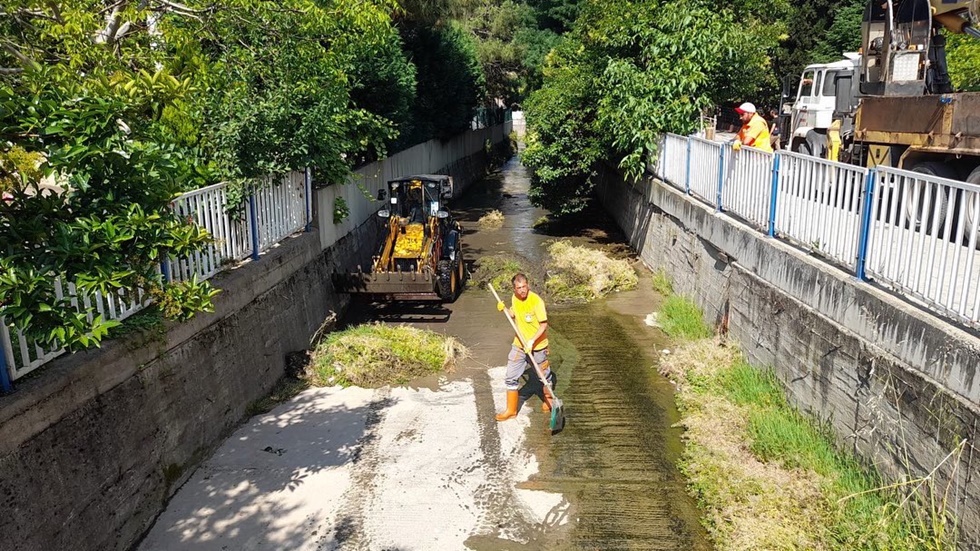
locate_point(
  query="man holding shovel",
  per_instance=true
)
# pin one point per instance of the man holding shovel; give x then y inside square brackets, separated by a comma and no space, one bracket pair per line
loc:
[531,320]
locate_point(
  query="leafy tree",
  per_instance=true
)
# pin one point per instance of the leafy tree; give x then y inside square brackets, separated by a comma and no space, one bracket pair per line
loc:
[293,69]
[631,71]
[816,31]
[450,82]
[495,25]
[963,57]
[844,34]
[125,104]
[557,16]
[83,94]
[564,147]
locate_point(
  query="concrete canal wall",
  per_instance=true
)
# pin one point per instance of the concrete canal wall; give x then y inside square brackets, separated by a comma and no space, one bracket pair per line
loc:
[898,385]
[93,445]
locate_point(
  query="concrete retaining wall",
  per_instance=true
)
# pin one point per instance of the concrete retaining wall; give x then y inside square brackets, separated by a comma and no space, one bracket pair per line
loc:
[897,384]
[92,446]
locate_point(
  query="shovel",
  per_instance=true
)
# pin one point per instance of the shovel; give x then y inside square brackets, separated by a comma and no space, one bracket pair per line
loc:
[557,410]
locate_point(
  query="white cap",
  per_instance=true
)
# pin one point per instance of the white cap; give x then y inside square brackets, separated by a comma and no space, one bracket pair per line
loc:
[745,108]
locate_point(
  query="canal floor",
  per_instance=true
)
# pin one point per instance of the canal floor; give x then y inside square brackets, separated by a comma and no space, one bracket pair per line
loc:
[427,467]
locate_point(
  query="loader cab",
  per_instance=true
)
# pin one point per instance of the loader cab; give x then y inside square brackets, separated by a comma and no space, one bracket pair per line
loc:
[417,199]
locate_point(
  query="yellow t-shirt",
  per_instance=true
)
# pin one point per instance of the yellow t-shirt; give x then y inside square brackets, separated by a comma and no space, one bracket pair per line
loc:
[758,130]
[529,314]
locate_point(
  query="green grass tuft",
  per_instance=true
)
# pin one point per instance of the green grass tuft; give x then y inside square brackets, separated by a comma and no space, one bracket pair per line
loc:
[744,384]
[855,509]
[662,283]
[680,318]
[497,269]
[376,355]
[491,220]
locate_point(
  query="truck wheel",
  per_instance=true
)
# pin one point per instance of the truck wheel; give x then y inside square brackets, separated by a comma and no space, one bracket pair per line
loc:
[447,283]
[914,198]
[971,208]
[802,147]
[461,265]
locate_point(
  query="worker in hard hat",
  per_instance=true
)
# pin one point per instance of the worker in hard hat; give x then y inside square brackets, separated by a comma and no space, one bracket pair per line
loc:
[754,131]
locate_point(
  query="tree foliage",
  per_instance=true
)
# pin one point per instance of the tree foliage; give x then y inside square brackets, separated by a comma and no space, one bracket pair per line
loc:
[963,56]
[119,106]
[631,71]
[450,82]
[844,34]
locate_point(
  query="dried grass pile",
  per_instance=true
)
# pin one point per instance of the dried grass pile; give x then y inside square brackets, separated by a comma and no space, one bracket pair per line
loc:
[581,273]
[491,220]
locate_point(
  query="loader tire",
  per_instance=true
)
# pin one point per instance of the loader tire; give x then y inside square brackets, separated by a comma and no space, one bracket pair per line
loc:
[447,283]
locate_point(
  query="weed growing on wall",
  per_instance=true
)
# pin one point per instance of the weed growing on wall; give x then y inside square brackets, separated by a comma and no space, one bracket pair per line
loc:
[662,283]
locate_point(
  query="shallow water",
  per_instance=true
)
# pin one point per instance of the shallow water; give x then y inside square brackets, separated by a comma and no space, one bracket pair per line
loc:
[615,462]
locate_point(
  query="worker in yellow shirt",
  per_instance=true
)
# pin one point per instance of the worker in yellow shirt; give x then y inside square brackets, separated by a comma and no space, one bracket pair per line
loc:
[755,130]
[529,314]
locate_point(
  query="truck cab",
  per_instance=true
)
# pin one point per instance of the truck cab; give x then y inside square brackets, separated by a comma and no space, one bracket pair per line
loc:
[823,88]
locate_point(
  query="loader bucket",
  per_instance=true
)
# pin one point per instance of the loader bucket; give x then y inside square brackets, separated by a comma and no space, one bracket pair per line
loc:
[397,285]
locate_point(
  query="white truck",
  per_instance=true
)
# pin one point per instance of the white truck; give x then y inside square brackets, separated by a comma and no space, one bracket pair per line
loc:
[892,104]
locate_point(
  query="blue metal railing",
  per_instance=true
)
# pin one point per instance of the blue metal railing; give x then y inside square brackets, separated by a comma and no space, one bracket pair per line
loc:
[913,232]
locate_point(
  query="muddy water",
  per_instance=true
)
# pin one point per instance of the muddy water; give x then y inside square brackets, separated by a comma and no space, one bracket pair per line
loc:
[615,461]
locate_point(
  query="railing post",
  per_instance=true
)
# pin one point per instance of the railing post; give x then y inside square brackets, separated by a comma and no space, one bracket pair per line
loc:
[6,387]
[687,175]
[865,226]
[773,194]
[721,176]
[254,224]
[663,159]
[165,270]
[309,200]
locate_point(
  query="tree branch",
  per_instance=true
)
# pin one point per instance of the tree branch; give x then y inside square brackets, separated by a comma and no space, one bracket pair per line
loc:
[13,50]
[113,22]
[179,8]
[56,10]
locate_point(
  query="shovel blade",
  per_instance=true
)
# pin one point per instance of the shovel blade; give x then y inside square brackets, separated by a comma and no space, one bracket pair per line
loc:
[557,423]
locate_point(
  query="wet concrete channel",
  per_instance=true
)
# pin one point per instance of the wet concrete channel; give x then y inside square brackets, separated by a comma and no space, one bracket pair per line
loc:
[615,462]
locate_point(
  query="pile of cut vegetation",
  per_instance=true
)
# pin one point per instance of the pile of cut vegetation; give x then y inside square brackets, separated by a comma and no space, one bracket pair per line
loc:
[498,269]
[578,273]
[491,220]
[376,355]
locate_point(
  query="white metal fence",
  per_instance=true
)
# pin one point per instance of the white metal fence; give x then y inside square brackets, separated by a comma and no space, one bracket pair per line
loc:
[922,240]
[912,232]
[748,185]
[818,205]
[707,166]
[280,208]
[21,355]
[673,163]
